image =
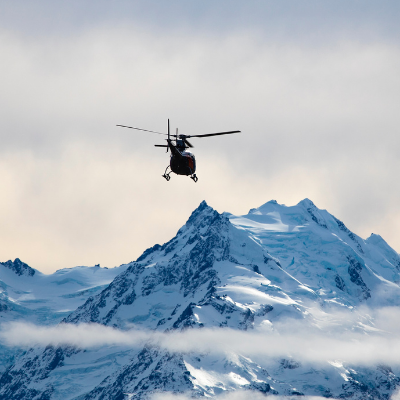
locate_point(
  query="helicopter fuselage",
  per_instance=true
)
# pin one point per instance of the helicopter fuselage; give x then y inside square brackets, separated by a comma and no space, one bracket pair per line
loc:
[182,162]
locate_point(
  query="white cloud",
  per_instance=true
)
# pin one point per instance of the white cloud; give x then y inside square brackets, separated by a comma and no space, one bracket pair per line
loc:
[237,395]
[318,122]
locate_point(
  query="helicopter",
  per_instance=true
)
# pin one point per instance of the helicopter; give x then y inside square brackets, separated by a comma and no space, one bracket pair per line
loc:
[182,161]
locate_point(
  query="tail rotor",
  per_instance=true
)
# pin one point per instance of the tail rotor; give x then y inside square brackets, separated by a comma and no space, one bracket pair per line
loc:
[168,136]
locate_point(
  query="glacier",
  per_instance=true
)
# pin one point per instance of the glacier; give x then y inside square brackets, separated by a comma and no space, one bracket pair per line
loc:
[277,269]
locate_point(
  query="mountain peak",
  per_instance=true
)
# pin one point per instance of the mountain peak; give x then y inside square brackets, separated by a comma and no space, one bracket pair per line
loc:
[375,238]
[307,203]
[201,212]
[19,267]
[203,204]
[390,253]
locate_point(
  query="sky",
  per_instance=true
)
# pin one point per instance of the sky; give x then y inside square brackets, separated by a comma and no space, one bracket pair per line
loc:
[313,86]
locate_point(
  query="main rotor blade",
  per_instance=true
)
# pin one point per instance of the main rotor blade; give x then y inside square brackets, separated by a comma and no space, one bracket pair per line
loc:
[212,134]
[161,145]
[187,143]
[140,129]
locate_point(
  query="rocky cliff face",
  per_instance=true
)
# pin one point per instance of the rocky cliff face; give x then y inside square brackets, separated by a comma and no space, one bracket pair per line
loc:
[224,271]
[18,267]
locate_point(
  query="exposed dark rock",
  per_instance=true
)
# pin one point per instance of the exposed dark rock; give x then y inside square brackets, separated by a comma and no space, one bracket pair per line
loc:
[351,235]
[19,267]
[256,269]
[149,251]
[340,283]
[248,320]
[312,211]
[289,364]
[265,309]
[354,269]
[185,320]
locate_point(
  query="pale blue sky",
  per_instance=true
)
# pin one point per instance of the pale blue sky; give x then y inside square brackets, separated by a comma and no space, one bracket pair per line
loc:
[290,20]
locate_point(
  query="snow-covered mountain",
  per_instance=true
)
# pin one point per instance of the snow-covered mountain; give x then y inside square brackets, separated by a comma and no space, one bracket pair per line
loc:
[224,271]
[29,295]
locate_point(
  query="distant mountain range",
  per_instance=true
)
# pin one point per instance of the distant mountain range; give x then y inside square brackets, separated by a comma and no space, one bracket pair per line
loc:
[28,295]
[220,271]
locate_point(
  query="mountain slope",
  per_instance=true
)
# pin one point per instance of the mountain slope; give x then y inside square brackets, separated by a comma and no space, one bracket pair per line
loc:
[320,251]
[223,271]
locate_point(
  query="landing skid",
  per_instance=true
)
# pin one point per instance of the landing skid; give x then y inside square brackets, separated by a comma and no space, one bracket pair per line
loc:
[166,175]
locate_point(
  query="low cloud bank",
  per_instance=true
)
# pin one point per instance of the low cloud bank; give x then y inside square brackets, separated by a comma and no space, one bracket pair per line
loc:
[237,395]
[243,395]
[308,344]
[84,336]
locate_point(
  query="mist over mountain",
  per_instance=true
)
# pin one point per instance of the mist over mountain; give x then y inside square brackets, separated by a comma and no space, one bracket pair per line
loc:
[283,301]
